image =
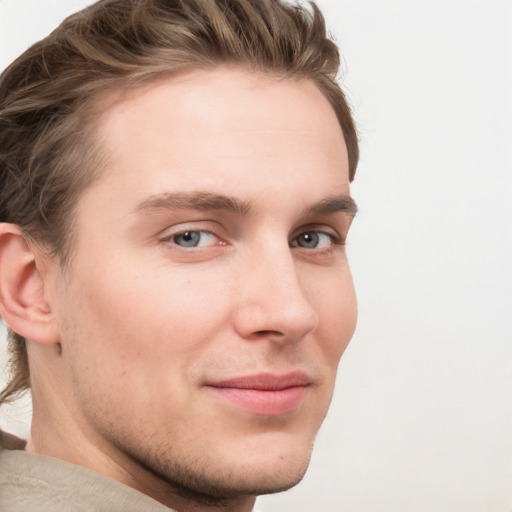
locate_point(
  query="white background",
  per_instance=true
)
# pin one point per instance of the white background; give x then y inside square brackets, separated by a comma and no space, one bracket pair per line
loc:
[422,416]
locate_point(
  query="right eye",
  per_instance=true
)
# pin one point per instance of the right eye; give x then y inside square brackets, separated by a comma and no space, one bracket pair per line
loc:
[191,239]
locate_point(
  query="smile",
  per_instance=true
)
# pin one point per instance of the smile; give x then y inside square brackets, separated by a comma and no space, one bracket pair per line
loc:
[264,394]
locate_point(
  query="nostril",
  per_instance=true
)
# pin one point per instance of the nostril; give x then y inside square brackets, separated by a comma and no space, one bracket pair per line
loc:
[268,333]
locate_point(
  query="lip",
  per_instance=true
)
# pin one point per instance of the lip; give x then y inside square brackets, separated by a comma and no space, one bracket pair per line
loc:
[264,394]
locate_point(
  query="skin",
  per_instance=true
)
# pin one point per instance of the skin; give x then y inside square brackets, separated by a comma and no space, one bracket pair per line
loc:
[143,323]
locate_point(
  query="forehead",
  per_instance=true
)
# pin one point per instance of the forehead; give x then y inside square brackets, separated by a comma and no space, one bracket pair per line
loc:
[226,128]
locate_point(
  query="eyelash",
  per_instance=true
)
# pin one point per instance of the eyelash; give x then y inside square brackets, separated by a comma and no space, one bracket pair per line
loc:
[190,232]
[335,240]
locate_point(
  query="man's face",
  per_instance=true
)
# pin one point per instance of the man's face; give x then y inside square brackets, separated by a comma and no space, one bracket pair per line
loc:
[209,298]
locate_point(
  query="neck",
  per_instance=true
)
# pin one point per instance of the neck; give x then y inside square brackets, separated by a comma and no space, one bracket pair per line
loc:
[59,432]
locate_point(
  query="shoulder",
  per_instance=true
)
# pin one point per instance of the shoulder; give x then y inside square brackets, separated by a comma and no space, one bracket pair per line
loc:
[31,482]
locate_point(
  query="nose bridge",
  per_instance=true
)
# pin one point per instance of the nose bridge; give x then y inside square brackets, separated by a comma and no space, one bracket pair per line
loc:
[274,300]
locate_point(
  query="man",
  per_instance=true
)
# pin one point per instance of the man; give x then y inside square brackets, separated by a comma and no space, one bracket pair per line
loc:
[174,204]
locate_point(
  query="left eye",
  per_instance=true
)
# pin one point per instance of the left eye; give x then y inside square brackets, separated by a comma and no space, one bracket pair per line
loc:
[194,239]
[312,240]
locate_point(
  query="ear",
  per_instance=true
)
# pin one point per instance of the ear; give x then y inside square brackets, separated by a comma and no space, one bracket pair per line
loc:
[22,299]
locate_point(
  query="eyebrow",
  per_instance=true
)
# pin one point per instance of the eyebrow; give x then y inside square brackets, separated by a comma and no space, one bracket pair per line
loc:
[194,201]
[342,203]
[207,201]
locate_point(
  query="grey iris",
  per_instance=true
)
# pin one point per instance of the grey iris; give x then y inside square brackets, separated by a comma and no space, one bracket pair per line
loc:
[188,239]
[308,240]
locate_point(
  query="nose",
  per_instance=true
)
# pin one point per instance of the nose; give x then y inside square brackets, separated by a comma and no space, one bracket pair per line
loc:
[272,303]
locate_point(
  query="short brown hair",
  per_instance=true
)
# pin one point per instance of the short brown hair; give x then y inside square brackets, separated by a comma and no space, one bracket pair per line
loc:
[47,152]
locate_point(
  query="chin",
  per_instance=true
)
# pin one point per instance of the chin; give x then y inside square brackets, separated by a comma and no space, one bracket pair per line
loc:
[272,484]
[212,479]
[269,463]
[238,481]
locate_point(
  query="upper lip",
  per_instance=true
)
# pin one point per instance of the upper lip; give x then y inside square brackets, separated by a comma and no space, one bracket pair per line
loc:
[264,381]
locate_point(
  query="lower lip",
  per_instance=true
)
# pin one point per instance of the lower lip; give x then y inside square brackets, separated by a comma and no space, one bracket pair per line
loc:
[263,402]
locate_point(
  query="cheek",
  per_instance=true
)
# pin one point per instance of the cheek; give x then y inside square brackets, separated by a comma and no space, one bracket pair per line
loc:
[126,337]
[337,308]
[147,315]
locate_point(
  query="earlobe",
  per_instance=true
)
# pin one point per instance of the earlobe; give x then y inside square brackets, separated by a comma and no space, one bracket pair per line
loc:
[22,293]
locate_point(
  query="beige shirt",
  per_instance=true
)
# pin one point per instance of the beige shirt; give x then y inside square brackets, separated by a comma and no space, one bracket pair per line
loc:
[36,483]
